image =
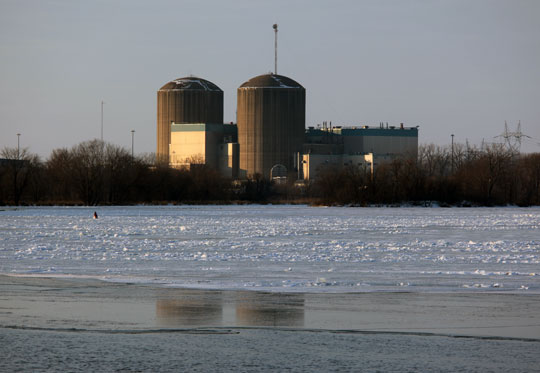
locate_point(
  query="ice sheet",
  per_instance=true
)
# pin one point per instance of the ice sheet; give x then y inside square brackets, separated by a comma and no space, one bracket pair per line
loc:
[280,248]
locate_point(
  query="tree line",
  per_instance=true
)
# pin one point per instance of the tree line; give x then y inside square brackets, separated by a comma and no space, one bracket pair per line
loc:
[98,173]
[460,175]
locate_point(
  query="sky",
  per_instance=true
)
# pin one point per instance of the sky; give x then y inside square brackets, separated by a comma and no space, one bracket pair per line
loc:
[457,67]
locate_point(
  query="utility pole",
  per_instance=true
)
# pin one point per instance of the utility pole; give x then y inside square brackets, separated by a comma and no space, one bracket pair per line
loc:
[275,48]
[132,142]
[18,146]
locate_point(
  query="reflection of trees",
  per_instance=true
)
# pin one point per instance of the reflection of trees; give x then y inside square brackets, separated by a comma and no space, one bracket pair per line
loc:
[268,309]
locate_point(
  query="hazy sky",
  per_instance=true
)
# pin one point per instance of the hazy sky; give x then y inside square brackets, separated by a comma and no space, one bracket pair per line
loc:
[461,67]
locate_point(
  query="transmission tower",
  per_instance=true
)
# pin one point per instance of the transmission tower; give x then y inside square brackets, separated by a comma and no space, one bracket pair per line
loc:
[512,140]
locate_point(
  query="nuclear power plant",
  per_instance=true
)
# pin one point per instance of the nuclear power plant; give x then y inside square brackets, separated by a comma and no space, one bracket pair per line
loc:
[270,139]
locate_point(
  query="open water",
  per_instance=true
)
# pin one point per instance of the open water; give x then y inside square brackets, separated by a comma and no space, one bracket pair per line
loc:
[259,350]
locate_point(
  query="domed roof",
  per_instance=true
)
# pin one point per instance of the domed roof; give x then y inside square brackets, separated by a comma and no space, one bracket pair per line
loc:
[190,83]
[271,81]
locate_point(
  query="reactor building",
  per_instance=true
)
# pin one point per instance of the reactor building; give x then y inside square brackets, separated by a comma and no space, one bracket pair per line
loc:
[186,100]
[271,115]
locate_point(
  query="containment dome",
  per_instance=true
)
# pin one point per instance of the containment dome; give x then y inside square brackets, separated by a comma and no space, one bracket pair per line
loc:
[186,100]
[190,83]
[271,80]
[271,124]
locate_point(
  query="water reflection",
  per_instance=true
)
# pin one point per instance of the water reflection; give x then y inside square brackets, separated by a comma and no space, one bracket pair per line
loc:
[190,310]
[269,309]
[200,308]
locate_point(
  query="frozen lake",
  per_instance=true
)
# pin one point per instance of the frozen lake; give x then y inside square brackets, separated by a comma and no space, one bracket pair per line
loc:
[280,248]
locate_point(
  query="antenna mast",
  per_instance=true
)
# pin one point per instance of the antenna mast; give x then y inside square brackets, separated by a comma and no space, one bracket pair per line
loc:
[275,48]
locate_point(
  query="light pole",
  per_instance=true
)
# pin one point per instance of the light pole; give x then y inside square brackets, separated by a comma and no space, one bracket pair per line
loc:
[452,152]
[18,146]
[275,47]
[132,142]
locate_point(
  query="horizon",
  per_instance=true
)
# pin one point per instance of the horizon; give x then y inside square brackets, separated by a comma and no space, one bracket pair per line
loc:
[449,67]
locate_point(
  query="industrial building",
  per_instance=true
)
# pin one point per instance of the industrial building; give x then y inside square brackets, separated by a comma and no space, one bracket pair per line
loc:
[270,138]
[388,140]
[313,164]
[363,146]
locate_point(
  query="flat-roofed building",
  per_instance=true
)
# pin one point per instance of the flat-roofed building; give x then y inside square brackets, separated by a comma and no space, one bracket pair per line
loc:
[214,145]
[398,141]
[313,164]
[364,146]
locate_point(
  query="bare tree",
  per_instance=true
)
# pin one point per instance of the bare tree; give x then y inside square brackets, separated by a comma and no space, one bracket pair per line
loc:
[87,167]
[528,169]
[487,174]
[119,174]
[58,169]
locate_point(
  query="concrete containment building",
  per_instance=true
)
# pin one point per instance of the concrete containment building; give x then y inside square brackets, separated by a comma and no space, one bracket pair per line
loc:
[186,100]
[271,116]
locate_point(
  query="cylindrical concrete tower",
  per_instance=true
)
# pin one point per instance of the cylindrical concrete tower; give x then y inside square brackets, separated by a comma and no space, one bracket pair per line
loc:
[186,100]
[271,116]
